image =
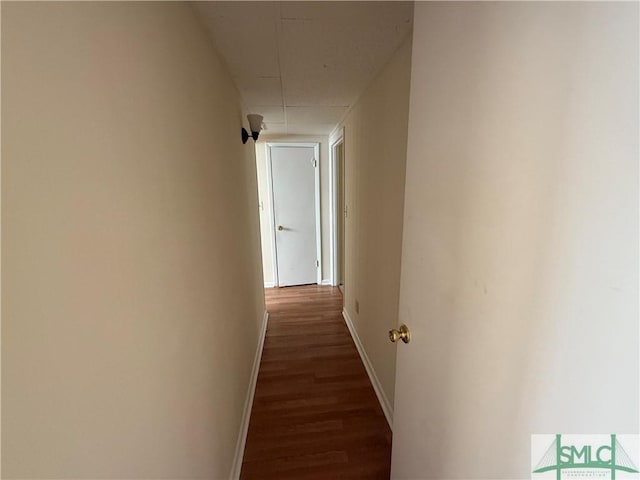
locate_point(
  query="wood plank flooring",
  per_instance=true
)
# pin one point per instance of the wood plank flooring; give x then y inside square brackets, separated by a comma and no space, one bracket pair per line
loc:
[315,414]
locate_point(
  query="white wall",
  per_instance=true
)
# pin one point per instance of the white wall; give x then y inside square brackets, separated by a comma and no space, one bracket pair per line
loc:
[131,284]
[520,250]
[266,228]
[375,139]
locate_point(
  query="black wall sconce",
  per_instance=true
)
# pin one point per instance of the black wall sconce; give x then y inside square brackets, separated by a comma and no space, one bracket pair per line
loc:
[255,124]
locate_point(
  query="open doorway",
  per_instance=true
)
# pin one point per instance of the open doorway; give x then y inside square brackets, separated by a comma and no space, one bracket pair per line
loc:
[339,211]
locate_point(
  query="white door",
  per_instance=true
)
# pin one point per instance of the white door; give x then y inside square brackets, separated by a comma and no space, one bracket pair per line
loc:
[519,275]
[294,184]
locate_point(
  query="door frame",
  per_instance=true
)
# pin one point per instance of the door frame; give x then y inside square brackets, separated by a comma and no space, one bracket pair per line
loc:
[272,215]
[335,140]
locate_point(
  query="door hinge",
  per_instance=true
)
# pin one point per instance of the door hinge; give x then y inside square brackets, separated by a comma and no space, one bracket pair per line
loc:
[317,263]
[314,162]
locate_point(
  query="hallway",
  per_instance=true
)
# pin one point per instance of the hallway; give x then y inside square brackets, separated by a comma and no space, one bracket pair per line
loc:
[185,184]
[315,414]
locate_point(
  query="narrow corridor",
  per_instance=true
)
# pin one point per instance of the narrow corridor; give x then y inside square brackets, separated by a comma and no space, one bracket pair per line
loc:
[315,413]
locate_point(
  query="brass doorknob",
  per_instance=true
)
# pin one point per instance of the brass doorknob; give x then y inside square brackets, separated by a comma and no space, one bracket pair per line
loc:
[401,334]
[280,227]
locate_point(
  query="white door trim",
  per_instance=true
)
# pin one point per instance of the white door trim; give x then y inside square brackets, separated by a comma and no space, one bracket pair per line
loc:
[272,219]
[333,199]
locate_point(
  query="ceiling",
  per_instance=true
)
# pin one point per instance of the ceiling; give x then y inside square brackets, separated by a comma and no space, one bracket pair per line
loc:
[303,64]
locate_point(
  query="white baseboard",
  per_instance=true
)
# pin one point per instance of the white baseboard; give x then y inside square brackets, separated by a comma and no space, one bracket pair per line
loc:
[377,387]
[248,403]
[269,284]
[326,282]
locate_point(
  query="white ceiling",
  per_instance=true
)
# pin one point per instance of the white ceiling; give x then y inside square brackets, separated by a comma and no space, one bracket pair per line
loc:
[303,64]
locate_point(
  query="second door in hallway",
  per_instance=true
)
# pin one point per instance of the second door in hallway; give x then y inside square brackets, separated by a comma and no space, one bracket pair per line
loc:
[295,183]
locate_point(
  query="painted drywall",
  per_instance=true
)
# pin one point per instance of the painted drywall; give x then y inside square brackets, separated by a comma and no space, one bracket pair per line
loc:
[264,204]
[520,249]
[375,139]
[131,281]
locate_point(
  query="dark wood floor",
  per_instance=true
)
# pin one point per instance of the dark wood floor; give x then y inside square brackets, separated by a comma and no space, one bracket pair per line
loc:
[315,414]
